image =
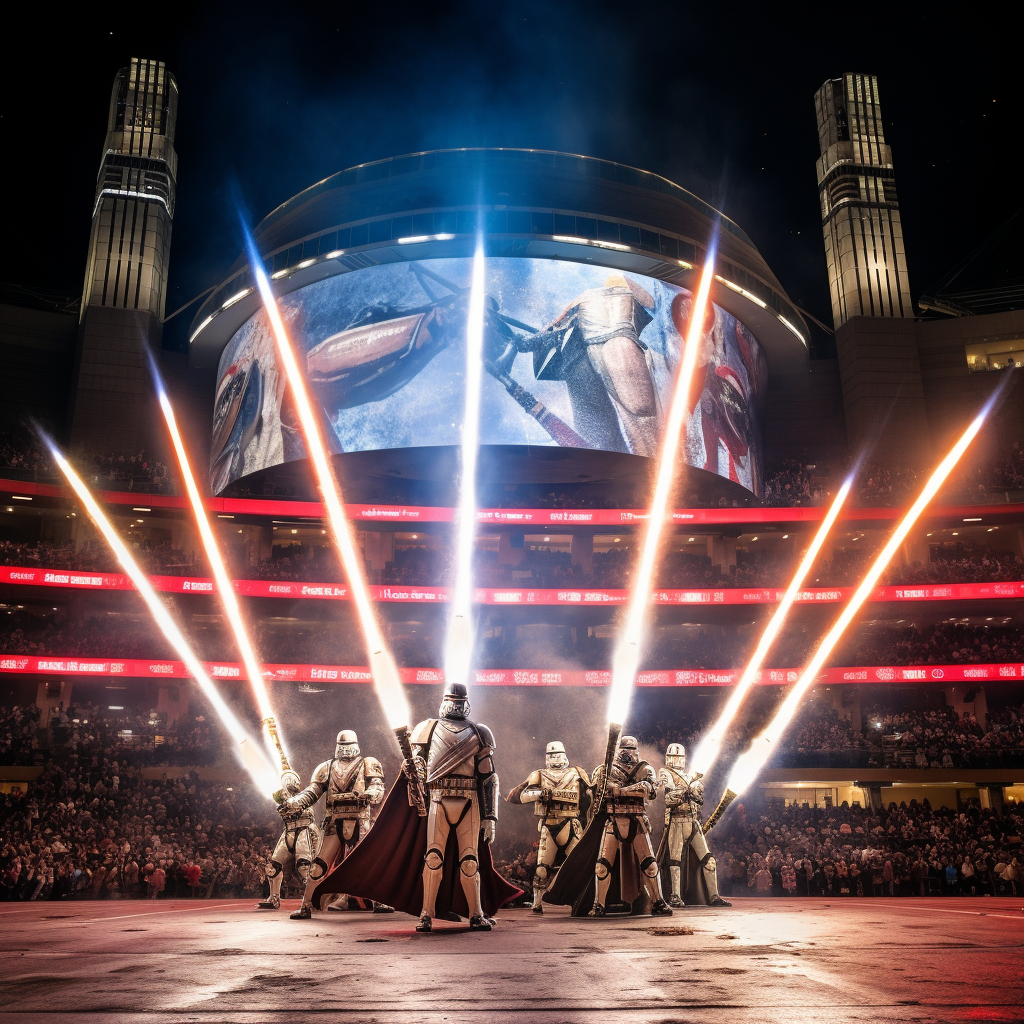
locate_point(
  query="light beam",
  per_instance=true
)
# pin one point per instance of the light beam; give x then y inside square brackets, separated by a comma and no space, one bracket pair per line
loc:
[249,751]
[750,763]
[386,680]
[225,589]
[626,658]
[459,642]
[711,745]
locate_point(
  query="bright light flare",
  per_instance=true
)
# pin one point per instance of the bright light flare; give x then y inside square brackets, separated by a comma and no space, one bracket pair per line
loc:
[626,658]
[459,642]
[252,756]
[386,680]
[225,589]
[711,745]
[750,763]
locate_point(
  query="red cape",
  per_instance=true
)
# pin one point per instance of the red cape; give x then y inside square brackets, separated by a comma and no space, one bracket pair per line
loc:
[387,866]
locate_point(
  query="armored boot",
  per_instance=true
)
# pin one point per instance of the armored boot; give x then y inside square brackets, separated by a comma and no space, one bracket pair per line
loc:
[660,909]
[426,923]
[304,913]
[480,923]
[272,902]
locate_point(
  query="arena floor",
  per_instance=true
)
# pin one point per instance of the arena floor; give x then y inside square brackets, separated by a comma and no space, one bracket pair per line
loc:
[764,960]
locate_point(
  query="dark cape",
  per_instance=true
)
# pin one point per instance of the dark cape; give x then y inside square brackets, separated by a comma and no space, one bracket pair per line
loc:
[387,866]
[575,884]
[692,887]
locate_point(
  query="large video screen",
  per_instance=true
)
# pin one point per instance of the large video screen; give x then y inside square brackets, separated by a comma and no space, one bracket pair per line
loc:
[575,355]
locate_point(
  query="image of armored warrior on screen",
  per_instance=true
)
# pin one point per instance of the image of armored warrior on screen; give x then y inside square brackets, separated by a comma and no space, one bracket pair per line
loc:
[595,346]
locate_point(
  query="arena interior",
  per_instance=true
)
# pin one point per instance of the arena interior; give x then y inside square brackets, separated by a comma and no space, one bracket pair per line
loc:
[874,865]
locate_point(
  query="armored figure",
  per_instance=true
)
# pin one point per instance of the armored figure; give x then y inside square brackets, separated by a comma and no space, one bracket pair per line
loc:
[352,784]
[627,832]
[297,846]
[683,844]
[558,792]
[596,348]
[454,757]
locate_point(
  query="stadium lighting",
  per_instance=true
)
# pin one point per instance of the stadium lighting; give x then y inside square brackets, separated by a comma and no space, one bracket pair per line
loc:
[711,744]
[749,764]
[383,669]
[225,588]
[459,642]
[626,658]
[251,755]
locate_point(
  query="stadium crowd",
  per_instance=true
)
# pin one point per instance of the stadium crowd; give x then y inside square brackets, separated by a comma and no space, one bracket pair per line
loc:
[905,850]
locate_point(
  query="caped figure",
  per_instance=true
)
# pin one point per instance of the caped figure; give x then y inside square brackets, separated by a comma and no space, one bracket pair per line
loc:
[455,758]
[692,869]
[353,784]
[560,794]
[438,865]
[297,846]
[627,833]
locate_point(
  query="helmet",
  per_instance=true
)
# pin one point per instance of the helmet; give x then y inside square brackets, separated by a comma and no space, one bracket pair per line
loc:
[675,755]
[455,702]
[555,756]
[290,782]
[347,745]
[629,751]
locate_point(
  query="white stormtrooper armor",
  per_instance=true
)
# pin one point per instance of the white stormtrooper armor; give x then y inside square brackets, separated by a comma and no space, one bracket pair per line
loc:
[555,792]
[631,783]
[454,757]
[352,784]
[684,798]
[297,846]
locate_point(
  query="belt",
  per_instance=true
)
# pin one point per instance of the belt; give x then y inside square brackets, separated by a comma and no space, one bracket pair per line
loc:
[453,785]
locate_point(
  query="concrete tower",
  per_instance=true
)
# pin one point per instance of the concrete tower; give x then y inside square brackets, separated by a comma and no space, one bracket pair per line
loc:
[860,215]
[126,275]
[883,394]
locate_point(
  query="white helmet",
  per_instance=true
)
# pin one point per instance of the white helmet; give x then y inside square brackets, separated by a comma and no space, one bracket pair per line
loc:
[347,745]
[555,755]
[629,751]
[675,755]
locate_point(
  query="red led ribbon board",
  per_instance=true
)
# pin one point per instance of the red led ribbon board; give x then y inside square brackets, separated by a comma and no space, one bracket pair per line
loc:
[79,579]
[138,668]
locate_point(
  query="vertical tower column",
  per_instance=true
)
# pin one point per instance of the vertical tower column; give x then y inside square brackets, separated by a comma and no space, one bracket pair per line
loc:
[126,275]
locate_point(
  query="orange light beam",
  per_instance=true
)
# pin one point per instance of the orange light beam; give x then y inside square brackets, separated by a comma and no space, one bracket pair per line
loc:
[626,659]
[252,756]
[386,680]
[750,763]
[711,745]
[225,588]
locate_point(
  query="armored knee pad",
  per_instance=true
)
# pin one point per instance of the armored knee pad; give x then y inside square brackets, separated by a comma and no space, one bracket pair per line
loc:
[434,859]
[318,869]
[302,868]
[541,874]
[649,866]
[603,868]
[709,863]
[274,868]
[468,865]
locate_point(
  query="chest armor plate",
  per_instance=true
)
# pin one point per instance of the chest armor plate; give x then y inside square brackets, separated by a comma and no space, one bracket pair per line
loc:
[563,783]
[343,780]
[453,749]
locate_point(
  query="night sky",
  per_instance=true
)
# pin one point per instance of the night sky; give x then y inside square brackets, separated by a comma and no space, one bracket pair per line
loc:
[718,98]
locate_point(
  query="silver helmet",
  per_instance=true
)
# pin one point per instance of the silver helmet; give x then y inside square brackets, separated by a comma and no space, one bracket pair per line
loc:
[347,745]
[675,755]
[291,783]
[555,755]
[629,751]
[455,702]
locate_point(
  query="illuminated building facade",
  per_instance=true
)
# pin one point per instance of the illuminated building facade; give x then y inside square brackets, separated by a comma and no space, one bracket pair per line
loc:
[126,273]
[860,216]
